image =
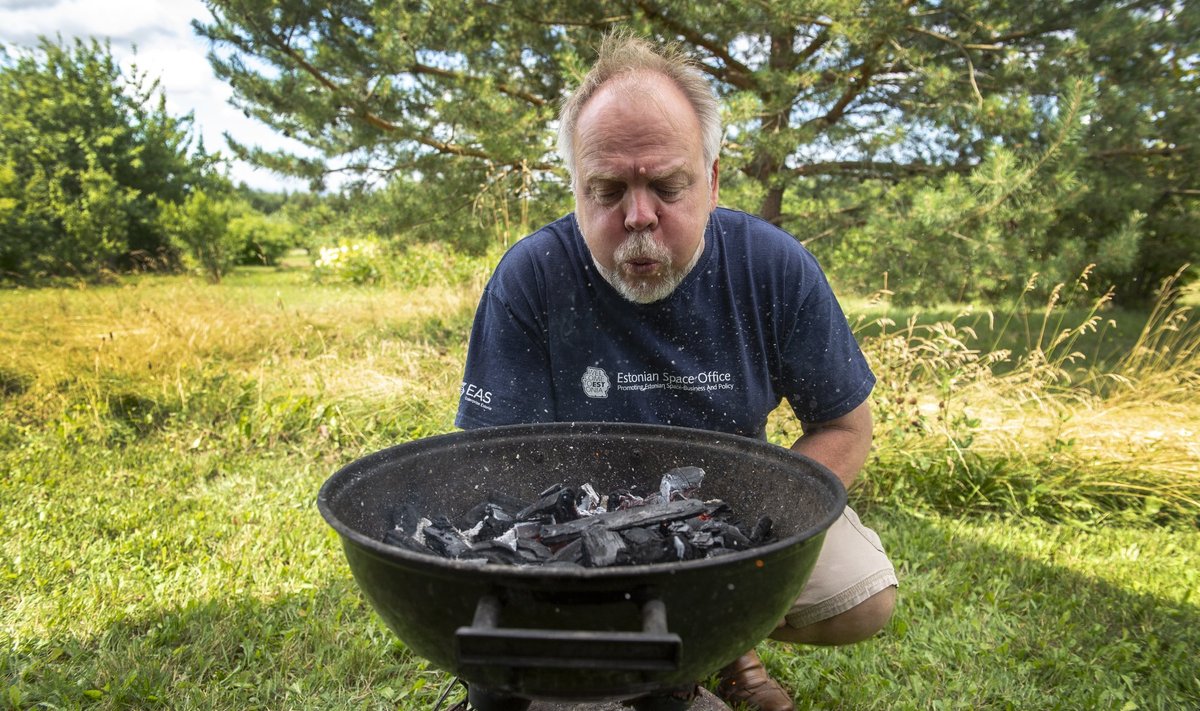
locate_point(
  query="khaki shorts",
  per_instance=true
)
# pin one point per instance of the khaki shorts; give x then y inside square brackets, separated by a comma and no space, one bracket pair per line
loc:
[850,568]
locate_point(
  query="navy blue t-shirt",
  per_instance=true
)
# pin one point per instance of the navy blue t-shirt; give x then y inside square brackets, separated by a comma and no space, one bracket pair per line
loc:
[754,322]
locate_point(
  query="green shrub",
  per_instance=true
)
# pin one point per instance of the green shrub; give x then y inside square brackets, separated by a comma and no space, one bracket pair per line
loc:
[350,262]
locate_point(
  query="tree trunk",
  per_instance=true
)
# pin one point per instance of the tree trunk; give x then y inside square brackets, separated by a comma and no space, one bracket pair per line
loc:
[771,207]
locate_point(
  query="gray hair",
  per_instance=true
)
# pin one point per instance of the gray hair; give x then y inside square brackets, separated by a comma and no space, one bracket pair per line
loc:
[622,54]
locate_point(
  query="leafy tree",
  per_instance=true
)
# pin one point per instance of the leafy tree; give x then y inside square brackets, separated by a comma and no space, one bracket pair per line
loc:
[87,154]
[201,230]
[845,120]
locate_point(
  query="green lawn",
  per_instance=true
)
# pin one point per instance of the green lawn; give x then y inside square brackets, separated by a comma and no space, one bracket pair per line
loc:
[162,442]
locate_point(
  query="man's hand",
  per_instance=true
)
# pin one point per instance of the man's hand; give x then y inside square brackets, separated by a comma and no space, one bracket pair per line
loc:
[842,444]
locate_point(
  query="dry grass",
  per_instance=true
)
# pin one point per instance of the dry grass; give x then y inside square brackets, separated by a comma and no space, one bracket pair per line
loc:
[161,338]
[1046,418]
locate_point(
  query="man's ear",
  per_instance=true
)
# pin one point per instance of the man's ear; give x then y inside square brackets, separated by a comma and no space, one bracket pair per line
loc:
[714,184]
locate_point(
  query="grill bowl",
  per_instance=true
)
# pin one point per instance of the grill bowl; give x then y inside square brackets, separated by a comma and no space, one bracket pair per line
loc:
[577,634]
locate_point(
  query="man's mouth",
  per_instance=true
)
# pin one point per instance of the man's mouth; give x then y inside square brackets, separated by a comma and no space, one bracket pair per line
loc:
[641,267]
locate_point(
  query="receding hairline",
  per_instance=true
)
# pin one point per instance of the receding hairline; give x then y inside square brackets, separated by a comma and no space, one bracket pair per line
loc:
[630,60]
[644,85]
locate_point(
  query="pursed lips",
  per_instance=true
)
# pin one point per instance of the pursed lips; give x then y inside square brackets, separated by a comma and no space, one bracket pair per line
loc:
[642,266]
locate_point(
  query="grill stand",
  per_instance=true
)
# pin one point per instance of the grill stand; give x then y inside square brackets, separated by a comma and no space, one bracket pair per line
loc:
[486,643]
[706,701]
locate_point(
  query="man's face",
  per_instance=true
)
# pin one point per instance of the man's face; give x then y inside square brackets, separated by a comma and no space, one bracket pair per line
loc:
[642,191]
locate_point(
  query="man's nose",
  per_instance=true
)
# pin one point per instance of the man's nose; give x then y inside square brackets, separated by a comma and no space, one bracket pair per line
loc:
[641,212]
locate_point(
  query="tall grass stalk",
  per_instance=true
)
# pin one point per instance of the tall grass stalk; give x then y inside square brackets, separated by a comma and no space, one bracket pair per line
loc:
[1039,431]
[1167,351]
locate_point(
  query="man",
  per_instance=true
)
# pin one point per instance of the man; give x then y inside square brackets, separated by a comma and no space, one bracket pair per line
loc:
[616,312]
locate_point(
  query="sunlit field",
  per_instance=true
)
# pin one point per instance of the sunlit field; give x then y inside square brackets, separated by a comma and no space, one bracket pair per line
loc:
[162,441]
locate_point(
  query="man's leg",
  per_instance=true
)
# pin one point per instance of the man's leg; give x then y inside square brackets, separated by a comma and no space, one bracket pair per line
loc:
[849,597]
[859,623]
[851,592]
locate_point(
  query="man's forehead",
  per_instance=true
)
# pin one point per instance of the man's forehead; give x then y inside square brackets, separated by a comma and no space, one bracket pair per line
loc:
[632,86]
[647,106]
[595,172]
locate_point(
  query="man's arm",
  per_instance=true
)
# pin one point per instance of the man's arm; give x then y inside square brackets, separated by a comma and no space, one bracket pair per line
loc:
[842,444]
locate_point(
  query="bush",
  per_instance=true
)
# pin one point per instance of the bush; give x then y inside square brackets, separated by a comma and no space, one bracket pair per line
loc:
[350,262]
[200,229]
[264,239]
[365,261]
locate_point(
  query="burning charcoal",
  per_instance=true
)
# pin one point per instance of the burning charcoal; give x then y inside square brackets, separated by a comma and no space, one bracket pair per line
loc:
[682,549]
[680,528]
[494,522]
[404,518]
[589,502]
[620,520]
[517,532]
[494,525]
[702,540]
[578,527]
[400,539]
[570,553]
[732,537]
[644,546]
[443,538]
[601,547]
[640,536]
[493,552]
[565,509]
[761,533]
[717,508]
[473,517]
[530,551]
[554,505]
[680,483]
[623,499]
[496,505]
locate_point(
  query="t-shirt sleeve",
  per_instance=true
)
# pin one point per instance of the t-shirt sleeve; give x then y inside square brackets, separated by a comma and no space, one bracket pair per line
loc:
[505,379]
[825,374]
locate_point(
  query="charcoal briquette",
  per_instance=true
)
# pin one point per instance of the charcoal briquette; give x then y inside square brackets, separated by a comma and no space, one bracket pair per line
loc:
[570,527]
[680,483]
[570,553]
[404,518]
[761,532]
[400,539]
[601,547]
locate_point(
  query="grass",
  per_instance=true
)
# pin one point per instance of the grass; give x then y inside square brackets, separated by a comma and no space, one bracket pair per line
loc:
[162,441]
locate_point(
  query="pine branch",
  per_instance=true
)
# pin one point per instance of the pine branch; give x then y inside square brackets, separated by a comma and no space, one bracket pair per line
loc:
[737,74]
[418,68]
[362,112]
[962,49]
[1132,152]
[1070,116]
[879,169]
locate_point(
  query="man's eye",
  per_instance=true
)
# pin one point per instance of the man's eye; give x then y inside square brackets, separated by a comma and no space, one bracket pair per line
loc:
[668,192]
[606,196]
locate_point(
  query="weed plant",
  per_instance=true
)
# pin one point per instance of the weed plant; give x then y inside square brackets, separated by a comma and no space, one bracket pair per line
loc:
[162,441]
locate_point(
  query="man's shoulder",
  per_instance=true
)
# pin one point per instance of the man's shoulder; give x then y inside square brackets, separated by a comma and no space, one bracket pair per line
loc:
[761,243]
[561,230]
[549,244]
[740,218]
[549,254]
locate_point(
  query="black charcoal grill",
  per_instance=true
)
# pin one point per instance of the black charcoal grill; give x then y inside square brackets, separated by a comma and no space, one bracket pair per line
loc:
[516,634]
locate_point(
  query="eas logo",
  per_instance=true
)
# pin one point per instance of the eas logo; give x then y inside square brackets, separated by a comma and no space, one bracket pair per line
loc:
[595,382]
[475,394]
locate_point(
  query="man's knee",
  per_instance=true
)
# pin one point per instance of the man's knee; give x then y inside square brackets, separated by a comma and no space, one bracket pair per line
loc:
[860,622]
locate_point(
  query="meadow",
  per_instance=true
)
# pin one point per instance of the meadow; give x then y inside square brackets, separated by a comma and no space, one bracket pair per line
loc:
[162,441]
